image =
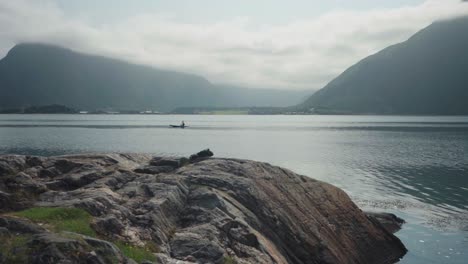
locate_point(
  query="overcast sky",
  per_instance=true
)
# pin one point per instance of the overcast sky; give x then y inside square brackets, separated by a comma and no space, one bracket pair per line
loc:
[295,44]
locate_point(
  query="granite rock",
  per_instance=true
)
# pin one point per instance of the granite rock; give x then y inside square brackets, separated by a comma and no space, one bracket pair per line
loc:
[209,211]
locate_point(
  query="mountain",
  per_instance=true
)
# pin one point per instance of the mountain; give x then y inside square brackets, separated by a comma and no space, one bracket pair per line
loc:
[39,74]
[425,75]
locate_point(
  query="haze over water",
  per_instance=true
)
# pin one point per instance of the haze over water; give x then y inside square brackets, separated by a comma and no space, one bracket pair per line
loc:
[415,167]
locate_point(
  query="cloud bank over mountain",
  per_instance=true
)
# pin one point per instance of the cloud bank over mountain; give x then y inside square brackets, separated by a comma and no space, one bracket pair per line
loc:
[299,54]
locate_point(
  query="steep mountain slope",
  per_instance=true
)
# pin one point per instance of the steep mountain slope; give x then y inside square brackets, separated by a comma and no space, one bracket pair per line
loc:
[37,74]
[427,74]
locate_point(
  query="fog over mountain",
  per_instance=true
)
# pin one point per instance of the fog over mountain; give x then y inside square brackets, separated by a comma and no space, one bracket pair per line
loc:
[428,74]
[38,74]
[242,43]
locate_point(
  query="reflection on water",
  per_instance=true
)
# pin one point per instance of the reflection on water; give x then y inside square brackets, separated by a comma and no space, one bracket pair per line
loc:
[416,167]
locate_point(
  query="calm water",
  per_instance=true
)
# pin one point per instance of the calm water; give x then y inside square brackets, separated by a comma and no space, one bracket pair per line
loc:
[415,167]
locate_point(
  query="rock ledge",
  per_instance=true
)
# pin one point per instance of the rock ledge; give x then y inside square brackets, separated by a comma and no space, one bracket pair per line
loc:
[199,210]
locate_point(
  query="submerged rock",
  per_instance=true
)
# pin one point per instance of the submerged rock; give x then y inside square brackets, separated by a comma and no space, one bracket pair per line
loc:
[208,211]
[389,221]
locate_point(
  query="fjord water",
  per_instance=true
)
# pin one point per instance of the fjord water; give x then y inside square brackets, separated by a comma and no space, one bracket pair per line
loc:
[415,167]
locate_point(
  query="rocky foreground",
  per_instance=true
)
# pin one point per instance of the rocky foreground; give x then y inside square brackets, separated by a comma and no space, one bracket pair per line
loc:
[202,210]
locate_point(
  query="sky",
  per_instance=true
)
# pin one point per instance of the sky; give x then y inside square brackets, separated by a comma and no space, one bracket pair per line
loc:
[295,44]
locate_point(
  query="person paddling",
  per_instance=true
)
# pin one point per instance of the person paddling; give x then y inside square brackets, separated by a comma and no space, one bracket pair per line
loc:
[182,125]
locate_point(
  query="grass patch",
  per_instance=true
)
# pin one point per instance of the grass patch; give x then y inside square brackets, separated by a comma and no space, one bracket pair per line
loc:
[61,219]
[76,220]
[229,260]
[14,249]
[139,254]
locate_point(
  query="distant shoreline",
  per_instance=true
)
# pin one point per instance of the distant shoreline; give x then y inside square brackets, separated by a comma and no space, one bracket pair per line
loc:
[217,114]
[62,109]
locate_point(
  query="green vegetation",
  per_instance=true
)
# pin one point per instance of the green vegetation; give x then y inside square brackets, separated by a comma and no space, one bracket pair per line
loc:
[229,260]
[74,220]
[225,112]
[61,219]
[139,254]
[13,249]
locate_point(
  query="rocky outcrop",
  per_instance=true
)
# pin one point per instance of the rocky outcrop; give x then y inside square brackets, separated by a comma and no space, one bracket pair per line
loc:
[202,210]
[201,155]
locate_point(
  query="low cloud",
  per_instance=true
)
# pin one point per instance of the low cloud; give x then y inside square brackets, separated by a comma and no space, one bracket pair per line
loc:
[303,54]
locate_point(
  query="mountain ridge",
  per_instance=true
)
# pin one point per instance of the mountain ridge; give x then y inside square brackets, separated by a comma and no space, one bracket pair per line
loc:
[427,74]
[43,74]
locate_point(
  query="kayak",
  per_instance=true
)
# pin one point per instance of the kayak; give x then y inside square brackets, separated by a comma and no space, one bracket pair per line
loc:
[177,126]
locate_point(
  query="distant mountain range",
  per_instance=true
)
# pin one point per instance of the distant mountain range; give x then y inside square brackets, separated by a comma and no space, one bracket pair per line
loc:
[38,74]
[425,75]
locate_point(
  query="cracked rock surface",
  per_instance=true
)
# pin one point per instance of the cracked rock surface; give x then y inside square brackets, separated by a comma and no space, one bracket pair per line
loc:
[207,210]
